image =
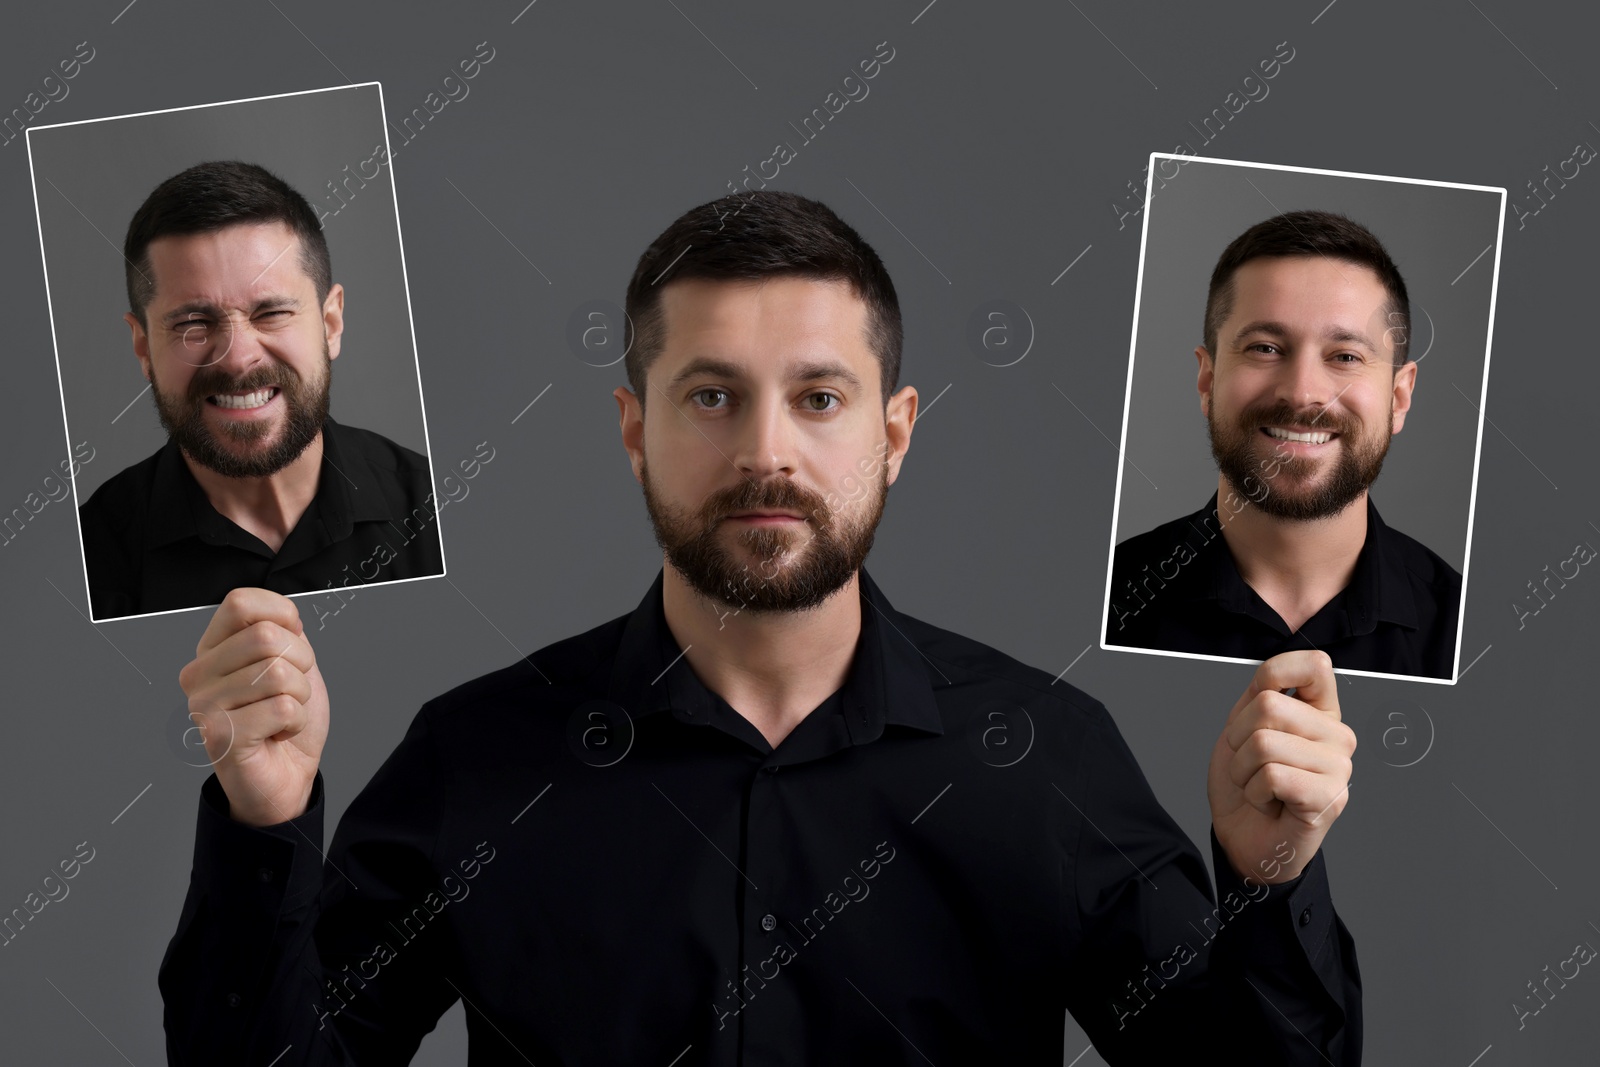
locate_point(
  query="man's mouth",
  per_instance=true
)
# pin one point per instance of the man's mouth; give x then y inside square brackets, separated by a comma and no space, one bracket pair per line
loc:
[243,401]
[768,515]
[1299,435]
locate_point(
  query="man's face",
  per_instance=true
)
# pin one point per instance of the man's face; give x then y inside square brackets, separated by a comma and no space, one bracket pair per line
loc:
[1301,396]
[767,454]
[237,348]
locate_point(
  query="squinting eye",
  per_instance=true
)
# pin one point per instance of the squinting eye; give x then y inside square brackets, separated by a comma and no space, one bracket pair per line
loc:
[823,396]
[709,392]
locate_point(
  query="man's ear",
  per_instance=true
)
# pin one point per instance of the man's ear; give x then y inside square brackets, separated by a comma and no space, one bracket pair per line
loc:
[333,319]
[1405,380]
[1203,383]
[899,417]
[631,419]
[141,342]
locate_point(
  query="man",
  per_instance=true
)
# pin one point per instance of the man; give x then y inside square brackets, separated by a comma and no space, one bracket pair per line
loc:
[236,322]
[1304,377]
[764,818]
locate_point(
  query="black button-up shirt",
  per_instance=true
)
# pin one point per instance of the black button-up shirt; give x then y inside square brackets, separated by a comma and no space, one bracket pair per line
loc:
[1178,589]
[153,542]
[609,865]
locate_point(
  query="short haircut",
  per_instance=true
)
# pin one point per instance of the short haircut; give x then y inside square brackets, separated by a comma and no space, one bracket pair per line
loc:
[1310,233]
[212,196]
[751,237]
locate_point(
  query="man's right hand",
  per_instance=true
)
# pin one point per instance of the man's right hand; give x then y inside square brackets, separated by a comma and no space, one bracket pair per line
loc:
[255,691]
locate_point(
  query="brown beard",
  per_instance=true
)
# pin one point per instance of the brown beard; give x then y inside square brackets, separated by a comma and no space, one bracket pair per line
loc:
[1247,459]
[305,406]
[823,558]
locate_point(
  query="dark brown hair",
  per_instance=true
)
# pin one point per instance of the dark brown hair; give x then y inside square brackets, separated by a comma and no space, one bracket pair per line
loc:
[208,197]
[1310,233]
[749,237]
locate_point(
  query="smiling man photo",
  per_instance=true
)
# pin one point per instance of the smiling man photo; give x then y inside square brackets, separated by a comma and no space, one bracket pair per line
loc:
[1304,376]
[236,321]
[763,817]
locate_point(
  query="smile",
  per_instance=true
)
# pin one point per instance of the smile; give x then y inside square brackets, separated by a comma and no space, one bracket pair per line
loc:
[243,401]
[1299,436]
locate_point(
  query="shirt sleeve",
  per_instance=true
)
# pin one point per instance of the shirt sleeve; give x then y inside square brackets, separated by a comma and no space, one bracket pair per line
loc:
[1160,967]
[282,957]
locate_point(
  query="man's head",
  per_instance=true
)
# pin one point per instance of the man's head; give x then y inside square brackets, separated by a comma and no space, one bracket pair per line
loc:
[234,315]
[766,335]
[1303,376]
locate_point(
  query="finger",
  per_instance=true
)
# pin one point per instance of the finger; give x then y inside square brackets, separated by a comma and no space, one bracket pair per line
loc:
[260,643]
[277,717]
[1271,710]
[255,679]
[1309,672]
[1297,753]
[244,606]
[1312,798]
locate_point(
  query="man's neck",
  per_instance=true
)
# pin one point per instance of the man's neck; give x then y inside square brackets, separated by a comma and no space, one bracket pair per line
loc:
[774,668]
[1297,567]
[269,506]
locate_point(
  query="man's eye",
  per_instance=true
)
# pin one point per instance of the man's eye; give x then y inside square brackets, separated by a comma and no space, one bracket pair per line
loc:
[829,401]
[273,314]
[1262,346]
[1349,356]
[709,393]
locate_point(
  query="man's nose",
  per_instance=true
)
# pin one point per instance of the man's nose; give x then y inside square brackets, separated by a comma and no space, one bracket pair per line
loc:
[234,347]
[1305,382]
[765,443]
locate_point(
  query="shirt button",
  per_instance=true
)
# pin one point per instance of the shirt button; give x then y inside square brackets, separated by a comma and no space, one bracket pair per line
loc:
[770,769]
[234,1000]
[265,874]
[769,923]
[1305,916]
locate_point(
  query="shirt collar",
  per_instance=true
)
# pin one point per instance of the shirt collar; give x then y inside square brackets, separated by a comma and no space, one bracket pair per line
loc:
[887,683]
[348,491]
[1379,588]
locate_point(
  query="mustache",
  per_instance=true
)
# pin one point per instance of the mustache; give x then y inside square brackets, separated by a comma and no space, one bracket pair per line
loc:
[774,495]
[204,385]
[1285,414]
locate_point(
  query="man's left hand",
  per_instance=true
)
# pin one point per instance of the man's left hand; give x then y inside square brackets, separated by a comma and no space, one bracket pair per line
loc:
[1280,772]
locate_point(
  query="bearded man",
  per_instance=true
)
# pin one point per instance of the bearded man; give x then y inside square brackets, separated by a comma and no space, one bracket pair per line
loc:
[236,321]
[1304,376]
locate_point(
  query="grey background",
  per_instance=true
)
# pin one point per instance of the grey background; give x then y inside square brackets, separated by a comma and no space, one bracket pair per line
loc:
[998,141]
[1431,232]
[91,178]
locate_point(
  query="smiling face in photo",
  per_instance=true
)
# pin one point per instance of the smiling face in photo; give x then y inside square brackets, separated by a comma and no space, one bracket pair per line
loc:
[1302,395]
